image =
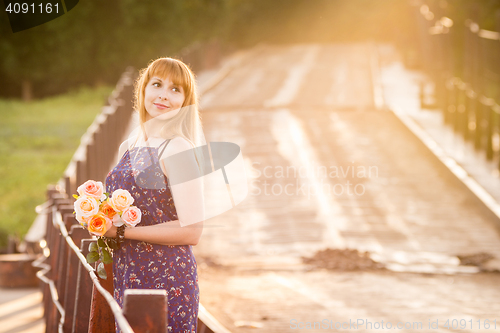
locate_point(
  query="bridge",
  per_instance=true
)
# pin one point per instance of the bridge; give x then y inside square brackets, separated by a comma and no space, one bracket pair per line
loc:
[373,191]
[355,111]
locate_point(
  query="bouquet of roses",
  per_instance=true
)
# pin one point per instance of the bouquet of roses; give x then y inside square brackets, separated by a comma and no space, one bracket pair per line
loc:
[97,211]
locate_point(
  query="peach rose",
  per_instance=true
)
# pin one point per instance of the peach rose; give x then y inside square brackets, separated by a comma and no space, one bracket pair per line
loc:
[121,200]
[107,210]
[93,189]
[86,207]
[99,224]
[131,216]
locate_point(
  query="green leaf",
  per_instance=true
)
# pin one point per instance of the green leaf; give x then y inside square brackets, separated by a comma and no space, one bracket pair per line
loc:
[101,243]
[101,271]
[93,247]
[106,257]
[92,257]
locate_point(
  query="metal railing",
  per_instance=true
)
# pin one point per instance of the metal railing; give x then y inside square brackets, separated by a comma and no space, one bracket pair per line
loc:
[70,282]
[462,60]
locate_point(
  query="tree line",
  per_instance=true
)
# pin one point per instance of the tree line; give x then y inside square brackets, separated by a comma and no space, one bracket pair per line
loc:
[94,42]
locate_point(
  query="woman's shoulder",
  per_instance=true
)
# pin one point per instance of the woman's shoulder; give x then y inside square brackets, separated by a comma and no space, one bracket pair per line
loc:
[176,145]
[127,144]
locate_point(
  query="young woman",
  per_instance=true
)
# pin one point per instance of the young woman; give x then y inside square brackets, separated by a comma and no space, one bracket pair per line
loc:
[157,253]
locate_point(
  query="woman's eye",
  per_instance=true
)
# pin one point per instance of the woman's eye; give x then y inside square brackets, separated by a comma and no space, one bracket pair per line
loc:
[156,83]
[176,89]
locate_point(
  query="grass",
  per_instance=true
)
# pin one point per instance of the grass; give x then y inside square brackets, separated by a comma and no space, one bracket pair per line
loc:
[37,141]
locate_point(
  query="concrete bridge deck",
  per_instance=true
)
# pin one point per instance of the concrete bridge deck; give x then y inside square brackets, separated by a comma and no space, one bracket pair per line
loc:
[307,108]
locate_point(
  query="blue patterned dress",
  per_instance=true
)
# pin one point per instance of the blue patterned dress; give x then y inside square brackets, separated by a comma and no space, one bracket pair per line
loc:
[141,265]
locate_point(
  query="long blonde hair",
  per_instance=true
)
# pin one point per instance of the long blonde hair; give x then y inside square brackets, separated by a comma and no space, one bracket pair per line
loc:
[187,122]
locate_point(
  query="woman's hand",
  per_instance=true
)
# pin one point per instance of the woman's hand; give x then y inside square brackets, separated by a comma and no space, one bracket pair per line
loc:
[111,233]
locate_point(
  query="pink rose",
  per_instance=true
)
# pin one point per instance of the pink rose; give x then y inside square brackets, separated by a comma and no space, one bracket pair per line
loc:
[121,200]
[131,216]
[93,189]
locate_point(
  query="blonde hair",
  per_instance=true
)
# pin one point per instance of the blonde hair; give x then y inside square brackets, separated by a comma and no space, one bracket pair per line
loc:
[187,122]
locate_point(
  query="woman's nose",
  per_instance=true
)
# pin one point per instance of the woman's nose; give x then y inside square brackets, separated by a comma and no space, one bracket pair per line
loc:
[163,95]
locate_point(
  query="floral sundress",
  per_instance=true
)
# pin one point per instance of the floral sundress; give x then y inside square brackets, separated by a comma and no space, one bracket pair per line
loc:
[141,265]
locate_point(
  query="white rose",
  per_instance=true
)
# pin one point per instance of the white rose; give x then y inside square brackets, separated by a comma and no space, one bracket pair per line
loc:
[121,200]
[86,207]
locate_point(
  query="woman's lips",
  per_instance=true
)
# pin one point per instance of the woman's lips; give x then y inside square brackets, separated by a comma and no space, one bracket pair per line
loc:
[160,106]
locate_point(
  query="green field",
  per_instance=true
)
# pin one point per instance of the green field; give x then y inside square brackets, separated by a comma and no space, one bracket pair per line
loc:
[37,141]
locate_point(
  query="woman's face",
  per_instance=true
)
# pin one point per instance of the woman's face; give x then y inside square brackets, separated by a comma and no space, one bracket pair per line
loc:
[161,96]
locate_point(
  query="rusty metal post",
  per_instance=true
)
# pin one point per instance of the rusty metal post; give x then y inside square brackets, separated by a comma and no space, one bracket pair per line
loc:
[469,110]
[48,235]
[113,132]
[102,319]
[450,102]
[54,246]
[489,133]
[99,161]
[469,74]
[77,233]
[478,137]
[81,173]
[146,310]
[52,193]
[490,49]
[83,295]
[476,80]
[106,150]
[60,268]
[474,10]
[69,219]
[120,115]
[444,59]
[90,159]
[67,184]
[57,257]
[461,108]
[53,240]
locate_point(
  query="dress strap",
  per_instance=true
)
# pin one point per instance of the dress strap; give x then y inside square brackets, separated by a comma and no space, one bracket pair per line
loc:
[163,149]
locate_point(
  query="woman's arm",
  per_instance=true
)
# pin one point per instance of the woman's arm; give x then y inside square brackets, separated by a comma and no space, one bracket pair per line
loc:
[180,166]
[121,150]
[168,233]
